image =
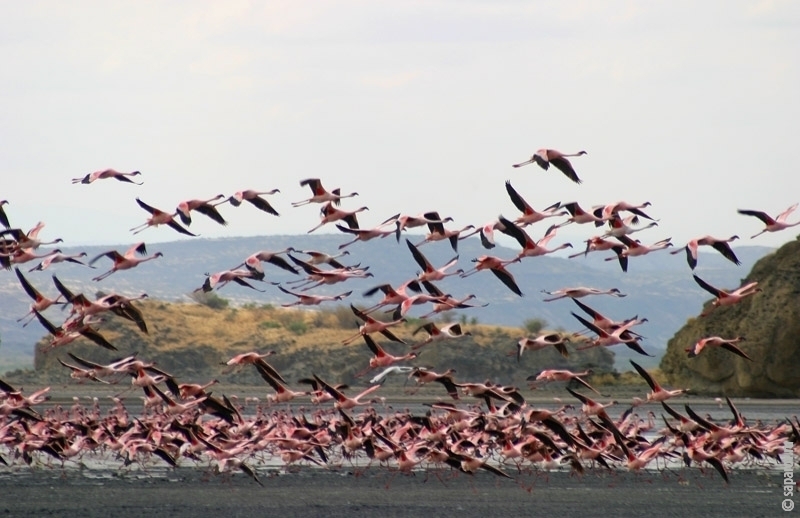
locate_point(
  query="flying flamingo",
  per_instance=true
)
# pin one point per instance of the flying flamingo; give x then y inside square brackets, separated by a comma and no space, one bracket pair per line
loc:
[219,279]
[311,300]
[3,216]
[615,208]
[595,244]
[392,296]
[531,248]
[619,335]
[621,227]
[543,341]
[720,245]
[255,199]
[29,240]
[107,173]
[40,302]
[63,335]
[125,261]
[58,258]
[330,214]
[319,194]
[439,233]
[657,392]
[372,325]
[498,267]
[634,249]
[159,217]
[282,393]
[381,358]
[24,255]
[316,257]
[436,333]
[204,207]
[545,157]
[726,298]
[715,341]
[363,234]
[429,273]
[581,292]
[343,402]
[405,221]
[529,215]
[772,224]
[253,262]
[549,375]
[580,216]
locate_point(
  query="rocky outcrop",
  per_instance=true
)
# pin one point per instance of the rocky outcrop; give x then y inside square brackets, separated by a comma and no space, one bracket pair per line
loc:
[770,323]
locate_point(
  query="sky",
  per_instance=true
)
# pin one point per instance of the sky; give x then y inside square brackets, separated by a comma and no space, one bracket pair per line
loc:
[417,106]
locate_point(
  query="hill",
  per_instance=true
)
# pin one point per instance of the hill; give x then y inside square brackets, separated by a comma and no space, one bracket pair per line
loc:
[659,286]
[770,323]
[191,341]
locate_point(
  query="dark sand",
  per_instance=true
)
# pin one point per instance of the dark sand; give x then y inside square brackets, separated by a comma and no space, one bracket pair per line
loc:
[378,493]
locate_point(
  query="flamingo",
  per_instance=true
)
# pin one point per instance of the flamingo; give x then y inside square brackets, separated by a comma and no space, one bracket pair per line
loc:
[363,234]
[253,262]
[255,199]
[29,240]
[615,208]
[380,357]
[429,273]
[159,217]
[3,216]
[125,261]
[392,296]
[405,221]
[282,393]
[543,341]
[107,173]
[311,300]
[436,333]
[58,257]
[720,245]
[549,375]
[24,255]
[65,335]
[529,215]
[439,233]
[591,407]
[343,402]
[219,279]
[204,207]
[604,322]
[388,371]
[620,335]
[40,302]
[772,224]
[498,267]
[580,216]
[319,194]
[318,277]
[657,392]
[621,227]
[581,291]
[331,214]
[727,298]
[634,249]
[423,376]
[446,302]
[531,248]
[595,244]
[316,257]
[545,157]
[372,325]
[716,341]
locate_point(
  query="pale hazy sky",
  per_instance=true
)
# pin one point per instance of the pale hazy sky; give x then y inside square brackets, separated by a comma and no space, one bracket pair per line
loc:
[418,106]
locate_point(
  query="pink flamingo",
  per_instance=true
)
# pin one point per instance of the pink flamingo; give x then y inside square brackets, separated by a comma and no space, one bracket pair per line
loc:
[545,157]
[125,261]
[772,224]
[159,217]
[107,173]
[720,245]
[727,298]
[205,207]
[319,194]
[255,199]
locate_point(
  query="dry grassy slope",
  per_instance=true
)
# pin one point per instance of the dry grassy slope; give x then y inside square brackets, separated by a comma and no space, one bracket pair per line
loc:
[192,340]
[770,322]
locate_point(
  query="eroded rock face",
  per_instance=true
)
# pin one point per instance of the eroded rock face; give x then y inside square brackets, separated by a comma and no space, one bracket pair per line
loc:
[770,323]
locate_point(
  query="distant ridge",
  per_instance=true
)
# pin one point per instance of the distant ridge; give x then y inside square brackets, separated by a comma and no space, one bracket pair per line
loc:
[659,286]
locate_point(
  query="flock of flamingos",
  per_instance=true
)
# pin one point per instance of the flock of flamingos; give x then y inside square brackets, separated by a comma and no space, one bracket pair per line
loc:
[472,425]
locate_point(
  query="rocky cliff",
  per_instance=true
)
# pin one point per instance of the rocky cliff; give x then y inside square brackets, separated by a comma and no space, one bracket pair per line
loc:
[770,323]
